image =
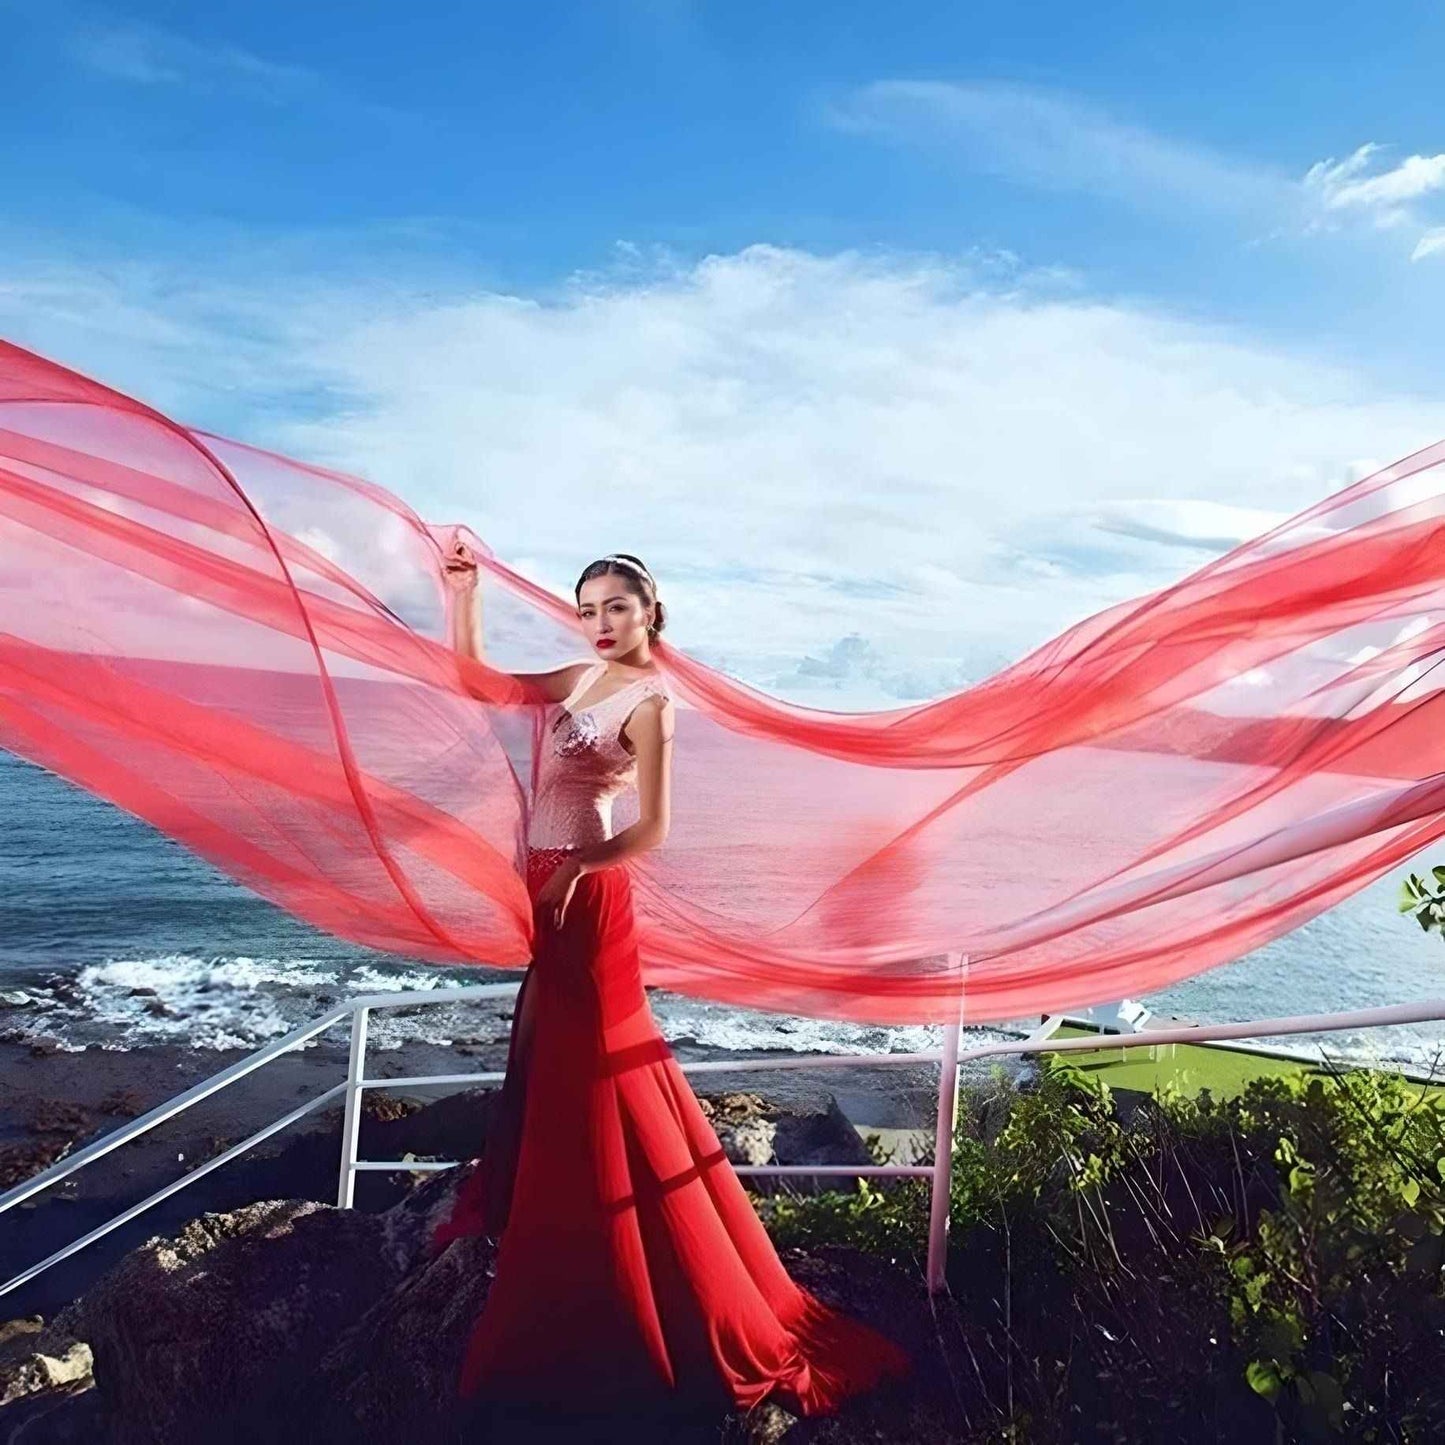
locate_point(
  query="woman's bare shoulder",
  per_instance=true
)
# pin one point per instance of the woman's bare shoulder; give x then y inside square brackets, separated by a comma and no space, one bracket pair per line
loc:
[556,685]
[653,719]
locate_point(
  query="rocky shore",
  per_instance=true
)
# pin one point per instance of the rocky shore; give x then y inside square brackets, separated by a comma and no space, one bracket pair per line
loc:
[249,1297]
[237,1320]
[53,1101]
[289,1316]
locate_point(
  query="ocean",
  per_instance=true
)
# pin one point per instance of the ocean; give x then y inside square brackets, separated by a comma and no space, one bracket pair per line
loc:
[114,937]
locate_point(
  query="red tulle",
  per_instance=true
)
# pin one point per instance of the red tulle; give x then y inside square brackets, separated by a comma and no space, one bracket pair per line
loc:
[250,653]
[632,1264]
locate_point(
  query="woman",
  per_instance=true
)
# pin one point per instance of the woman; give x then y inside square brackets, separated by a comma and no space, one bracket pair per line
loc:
[631,1265]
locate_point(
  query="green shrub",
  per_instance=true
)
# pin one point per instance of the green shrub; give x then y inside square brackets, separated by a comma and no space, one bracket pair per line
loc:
[1266,1266]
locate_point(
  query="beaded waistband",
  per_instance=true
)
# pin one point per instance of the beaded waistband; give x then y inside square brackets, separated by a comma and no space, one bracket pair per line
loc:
[541,861]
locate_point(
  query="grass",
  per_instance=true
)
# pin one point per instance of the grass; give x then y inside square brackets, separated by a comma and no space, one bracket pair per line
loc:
[1225,1072]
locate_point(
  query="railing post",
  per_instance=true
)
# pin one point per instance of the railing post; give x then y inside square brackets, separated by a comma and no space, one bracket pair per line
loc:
[351,1108]
[942,1184]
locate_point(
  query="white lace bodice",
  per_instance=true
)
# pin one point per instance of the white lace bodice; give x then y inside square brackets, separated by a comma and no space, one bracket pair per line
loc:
[582,764]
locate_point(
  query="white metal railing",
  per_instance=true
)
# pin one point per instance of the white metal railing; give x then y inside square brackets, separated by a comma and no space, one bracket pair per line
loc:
[949,1057]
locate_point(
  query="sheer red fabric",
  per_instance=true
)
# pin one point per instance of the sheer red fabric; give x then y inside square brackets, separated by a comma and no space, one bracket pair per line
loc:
[248,652]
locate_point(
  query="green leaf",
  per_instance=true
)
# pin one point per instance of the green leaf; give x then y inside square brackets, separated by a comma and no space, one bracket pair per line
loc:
[1410,1191]
[1263,1378]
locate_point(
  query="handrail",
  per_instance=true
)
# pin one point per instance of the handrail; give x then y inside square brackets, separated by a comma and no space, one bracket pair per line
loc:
[138,1126]
[949,1057]
[173,1187]
[939,1172]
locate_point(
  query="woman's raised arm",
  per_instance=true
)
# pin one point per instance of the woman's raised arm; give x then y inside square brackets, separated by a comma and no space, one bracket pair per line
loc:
[466,628]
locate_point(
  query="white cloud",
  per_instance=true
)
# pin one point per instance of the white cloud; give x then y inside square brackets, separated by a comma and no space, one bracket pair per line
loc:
[861,479]
[1056,141]
[1354,184]
[145,54]
[1431,243]
[1061,142]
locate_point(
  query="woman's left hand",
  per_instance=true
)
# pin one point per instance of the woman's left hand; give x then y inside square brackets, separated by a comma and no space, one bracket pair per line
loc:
[555,894]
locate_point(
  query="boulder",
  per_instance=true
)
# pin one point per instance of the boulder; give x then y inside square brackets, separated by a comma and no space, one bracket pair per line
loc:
[36,1358]
[391,1374]
[755,1130]
[193,1336]
[67,1415]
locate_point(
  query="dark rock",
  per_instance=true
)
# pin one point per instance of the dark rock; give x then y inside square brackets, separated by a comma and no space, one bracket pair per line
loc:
[407,1227]
[23,1160]
[21,1328]
[391,1375]
[453,1127]
[38,1359]
[193,1336]
[988,1108]
[67,1415]
[126,1102]
[384,1108]
[59,1116]
[826,1138]
[754,1130]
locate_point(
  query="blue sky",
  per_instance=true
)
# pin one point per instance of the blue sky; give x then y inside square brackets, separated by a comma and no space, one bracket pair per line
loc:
[980,317]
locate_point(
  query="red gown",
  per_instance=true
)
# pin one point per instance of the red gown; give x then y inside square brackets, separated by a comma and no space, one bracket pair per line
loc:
[631,1265]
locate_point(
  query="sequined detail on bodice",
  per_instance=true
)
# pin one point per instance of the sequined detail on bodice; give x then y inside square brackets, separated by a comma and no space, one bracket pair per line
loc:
[582,764]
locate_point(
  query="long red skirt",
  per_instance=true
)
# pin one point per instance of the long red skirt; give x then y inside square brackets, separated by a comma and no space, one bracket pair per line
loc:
[631,1266]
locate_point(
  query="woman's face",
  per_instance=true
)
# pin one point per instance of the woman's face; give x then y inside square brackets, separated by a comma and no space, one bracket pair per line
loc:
[613,617]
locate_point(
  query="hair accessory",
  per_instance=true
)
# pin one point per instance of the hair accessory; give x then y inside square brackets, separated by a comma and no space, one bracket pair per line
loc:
[632,566]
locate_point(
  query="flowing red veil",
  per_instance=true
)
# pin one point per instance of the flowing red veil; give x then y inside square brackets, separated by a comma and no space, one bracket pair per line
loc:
[249,653]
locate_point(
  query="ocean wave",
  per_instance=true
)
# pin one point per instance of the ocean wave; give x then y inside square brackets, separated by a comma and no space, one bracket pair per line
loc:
[228,1002]
[240,1002]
